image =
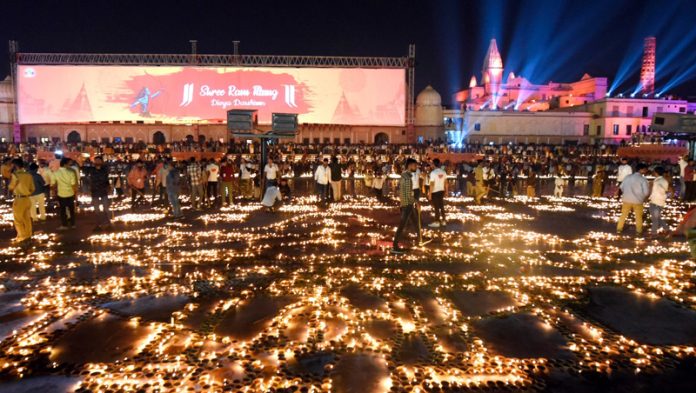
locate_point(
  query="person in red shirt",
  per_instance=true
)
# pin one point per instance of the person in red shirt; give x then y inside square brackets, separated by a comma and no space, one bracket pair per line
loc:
[136,180]
[227,182]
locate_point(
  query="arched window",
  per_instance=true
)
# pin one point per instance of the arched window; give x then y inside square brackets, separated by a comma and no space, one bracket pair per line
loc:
[158,138]
[74,137]
[189,138]
[381,138]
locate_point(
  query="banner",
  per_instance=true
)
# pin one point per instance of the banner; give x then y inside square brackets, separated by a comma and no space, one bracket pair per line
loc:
[72,94]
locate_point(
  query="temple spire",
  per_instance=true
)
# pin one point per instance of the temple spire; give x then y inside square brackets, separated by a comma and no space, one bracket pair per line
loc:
[492,71]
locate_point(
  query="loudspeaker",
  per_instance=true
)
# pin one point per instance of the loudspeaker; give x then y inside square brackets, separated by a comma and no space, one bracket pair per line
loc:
[284,122]
[241,120]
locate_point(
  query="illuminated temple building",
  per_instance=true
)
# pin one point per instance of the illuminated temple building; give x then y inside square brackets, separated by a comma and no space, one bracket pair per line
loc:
[577,112]
[517,93]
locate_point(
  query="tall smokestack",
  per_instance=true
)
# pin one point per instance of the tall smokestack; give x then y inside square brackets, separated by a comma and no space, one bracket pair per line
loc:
[647,69]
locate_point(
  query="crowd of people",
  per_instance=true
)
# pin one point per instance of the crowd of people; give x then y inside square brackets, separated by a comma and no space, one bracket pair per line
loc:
[150,176]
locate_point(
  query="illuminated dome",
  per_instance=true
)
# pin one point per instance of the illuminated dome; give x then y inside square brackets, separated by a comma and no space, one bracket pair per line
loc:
[429,108]
[429,97]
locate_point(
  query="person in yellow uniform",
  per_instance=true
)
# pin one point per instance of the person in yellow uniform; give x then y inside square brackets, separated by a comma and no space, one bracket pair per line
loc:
[480,189]
[65,182]
[6,173]
[22,186]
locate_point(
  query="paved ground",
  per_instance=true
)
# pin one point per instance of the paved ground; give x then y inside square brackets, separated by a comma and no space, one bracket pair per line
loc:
[513,295]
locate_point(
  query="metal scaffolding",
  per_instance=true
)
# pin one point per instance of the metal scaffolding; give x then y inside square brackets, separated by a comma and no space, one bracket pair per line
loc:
[211,60]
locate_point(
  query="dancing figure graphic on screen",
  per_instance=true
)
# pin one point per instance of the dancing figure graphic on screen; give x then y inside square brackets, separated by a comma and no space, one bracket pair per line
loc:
[143,99]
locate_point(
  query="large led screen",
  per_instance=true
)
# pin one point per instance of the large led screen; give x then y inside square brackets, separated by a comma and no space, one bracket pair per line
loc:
[67,94]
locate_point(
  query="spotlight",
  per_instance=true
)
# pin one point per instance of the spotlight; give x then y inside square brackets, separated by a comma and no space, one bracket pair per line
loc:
[608,94]
[633,95]
[58,152]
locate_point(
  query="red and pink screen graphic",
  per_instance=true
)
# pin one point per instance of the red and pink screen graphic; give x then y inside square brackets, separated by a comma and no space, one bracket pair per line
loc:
[67,94]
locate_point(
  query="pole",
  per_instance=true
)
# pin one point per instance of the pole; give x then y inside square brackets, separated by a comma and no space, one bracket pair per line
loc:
[194,51]
[15,133]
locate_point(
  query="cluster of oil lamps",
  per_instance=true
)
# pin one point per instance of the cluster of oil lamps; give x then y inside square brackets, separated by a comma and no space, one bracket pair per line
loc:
[311,298]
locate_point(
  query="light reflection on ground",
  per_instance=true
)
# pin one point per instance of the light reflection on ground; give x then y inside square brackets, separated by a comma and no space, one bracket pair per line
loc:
[523,294]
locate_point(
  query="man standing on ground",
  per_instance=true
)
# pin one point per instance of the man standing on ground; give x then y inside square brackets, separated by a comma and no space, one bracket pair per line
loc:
[195,176]
[408,204]
[173,188]
[213,172]
[245,179]
[227,182]
[481,188]
[336,178]
[65,182]
[658,200]
[634,190]
[598,180]
[531,181]
[6,171]
[322,176]
[99,189]
[437,192]
[22,186]
[161,182]
[621,174]
[136,181]
[270,174]
[682,185]
[38,197]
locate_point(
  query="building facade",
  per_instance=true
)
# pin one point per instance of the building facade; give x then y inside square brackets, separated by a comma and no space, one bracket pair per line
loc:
[609,120]
[518,93]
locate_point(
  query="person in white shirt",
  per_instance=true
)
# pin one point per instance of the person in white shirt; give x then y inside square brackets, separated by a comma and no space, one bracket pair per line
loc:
[623,171]
[271,198]
[415,182]
[436,193]
[270,173]
[635,189]
[322,176]
[213,172]
[658,200]
[378,183]
[245,179]
[559,184]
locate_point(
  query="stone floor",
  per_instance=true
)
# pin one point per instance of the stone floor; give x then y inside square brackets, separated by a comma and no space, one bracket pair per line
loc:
[514,295]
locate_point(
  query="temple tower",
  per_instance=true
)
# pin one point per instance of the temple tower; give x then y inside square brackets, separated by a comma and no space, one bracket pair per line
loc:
[492,71]
[647,69]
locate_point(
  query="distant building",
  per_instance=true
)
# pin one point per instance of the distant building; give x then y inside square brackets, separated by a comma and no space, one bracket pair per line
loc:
[518,93]
[609,120]
[7,109]
[428,120]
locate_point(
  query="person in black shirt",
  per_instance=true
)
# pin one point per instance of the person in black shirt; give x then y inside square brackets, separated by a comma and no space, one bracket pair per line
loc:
[336,179]
[99,189]
[38,197]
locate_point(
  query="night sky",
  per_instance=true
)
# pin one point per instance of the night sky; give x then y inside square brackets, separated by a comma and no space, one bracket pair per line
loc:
[542,40]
